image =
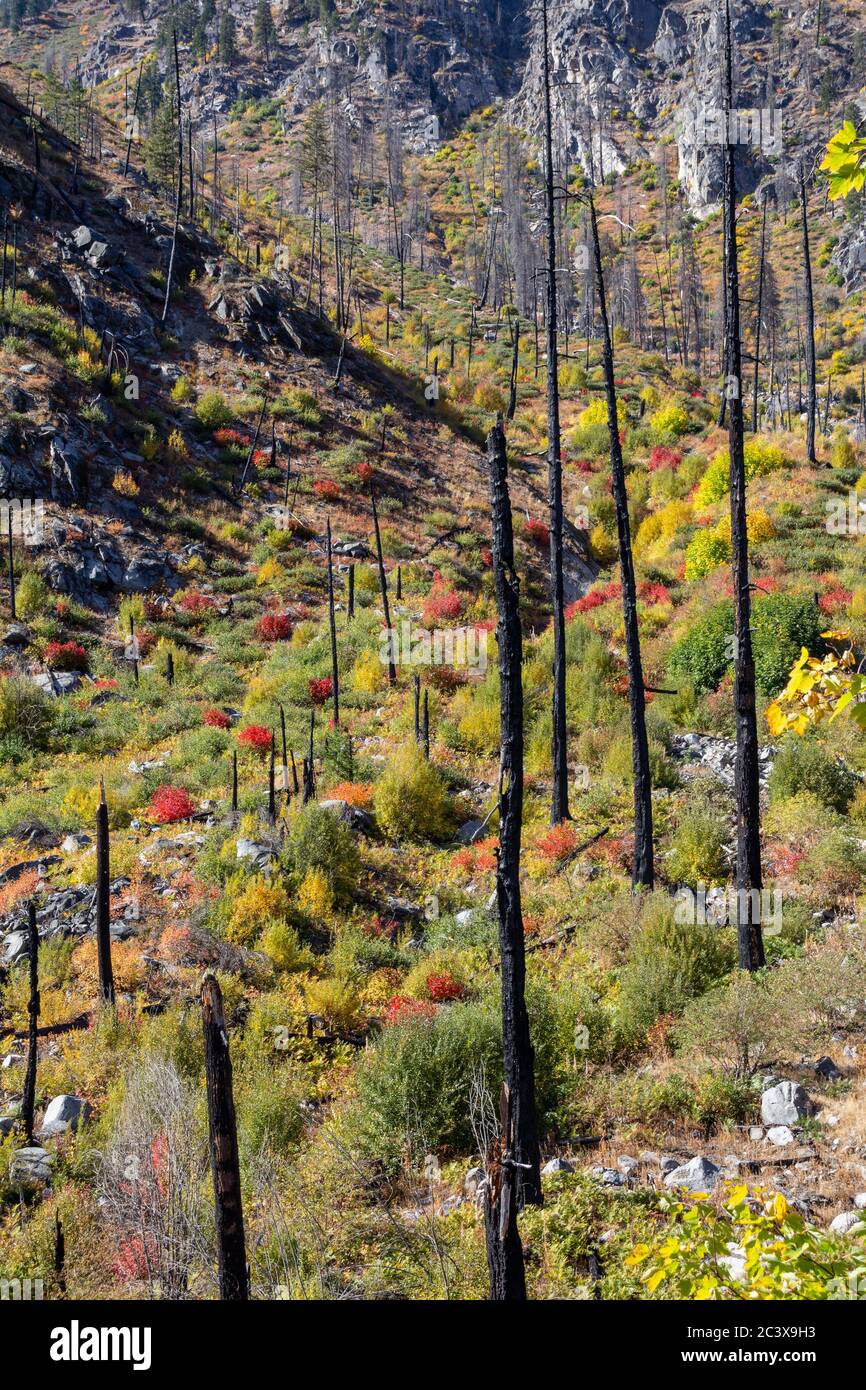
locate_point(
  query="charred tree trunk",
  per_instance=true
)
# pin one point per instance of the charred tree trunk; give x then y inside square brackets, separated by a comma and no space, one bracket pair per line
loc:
[559,804]
[131,131]
[59,1256]
[11,562]
[416,704]
[750,943]
[28,1098]
[502,1237]
[642,869]
[811,369]
[309,764]
[515,357]
[761,262]
[225,1167]
[332,623]
[519,1059]
[179,193]
[286,788]
[383,587]
[425,726]
[103,912]
[234,782]
[272,781]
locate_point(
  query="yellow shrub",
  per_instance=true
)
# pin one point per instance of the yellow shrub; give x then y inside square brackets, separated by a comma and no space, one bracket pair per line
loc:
[126,964]
[662,525]
[671,419]
[337,1003]
[366,676]
[759,526]
[271,572]
[256,901]
[124,484]
[410,800]
[281,943]
[596,413]
[602,545]
[315,896]
[479,727]
[176,447]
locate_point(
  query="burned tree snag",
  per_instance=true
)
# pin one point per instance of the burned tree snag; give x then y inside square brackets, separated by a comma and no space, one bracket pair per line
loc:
[28,1098]
[761,263]
[332,623]
[746,786]
[502,1237]
[234,782]
[59,1256]
[103,912]
[296,786]
[132,119]
[309,764]
[515,357]
[383,587]
[169,668]
[416,702]
[642,868]
[11,562]
[519,1060]
[811,368]
[179,193]
[225,1166]
[425,726]
[286,787]
[272,782]
[559,804]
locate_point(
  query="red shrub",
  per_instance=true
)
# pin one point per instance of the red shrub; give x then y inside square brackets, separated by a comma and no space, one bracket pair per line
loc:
[834,598]
[105,684]
[663,457]
[594,599]
[654,592]
[400,1009]
[446,679]
[216,719]
[558,842]
[274,627]
[486,557]
[443,988]
[321,690]
[228,438]
[326,490]
[257,737]
[364,471]
[65,656]
[171,804]
[538,532]
[353,793]
[441,602]
[195,602]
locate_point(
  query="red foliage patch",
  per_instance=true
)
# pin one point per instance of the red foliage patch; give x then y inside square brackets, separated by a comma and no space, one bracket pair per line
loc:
[538,532]
[230,439]
[477,858]
[663,457]
[446,679]
[195,602]
[441,602]
[400,1009]
[486,557]
[65,656]
[216,719]
[443,988]
[834,598]
[326,490]
[654,592]
[594,599]
[321,690]
[559,842]
[364,471]
[171,804]
[274,627]
[257,737]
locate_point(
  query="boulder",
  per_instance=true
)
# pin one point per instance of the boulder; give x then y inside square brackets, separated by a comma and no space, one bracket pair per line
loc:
[826,1068]
[17,635]
[469,831]
[785,1104]
[845,1223]
[259,855]
[557,1165]
[31,1167]
[67,1110]
[6,1123]
[473,1180]
[15,947]
[756,1133]
[698,1175]
[68,471]
[780,1135]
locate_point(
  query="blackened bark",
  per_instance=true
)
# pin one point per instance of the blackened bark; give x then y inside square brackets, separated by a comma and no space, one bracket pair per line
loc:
[811,369]
[758,321]
[11,562]
[286,787]
[272,781]
[332,622]
[59,1255]
[502,1237]
[425,727]
[519,1060]
[225,1166]
[169,668]
[28,1098]
[179,194]
[642,868]
[350,612]
[559,803]
[131,130]
[746,786]
[309,764]
[416,703]
[383,586]
[234,782]
[103,913]
[296,786]
[515,357]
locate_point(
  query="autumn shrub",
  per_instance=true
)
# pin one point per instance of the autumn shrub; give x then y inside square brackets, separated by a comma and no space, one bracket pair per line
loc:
[442,603]
[170,804]
[216,719]
[706,551]
[256,737]
[320,690]
[538,532]
[668,963]
[26,714]
[212,410]
[274,627]
[32,596]
[697,845]
[803,765]
[670,418]
[65,656]
[318,840]
[254,903]
[282,945]
[411,801]
[761,458]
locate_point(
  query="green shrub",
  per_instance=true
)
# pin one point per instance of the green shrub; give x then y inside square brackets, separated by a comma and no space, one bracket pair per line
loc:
[802,765]
[706,551]
[212,410]
[32,595]
[701,655]
[25,713]
[669,963]
[781,625]
[411,800]
[697,846]
[319,840]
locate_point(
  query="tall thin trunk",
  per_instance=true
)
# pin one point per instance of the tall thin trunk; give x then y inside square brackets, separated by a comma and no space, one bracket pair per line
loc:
[335,674]
[223,1136]
[519,1059]
[811,369]
[28,1098]
[758,321]
[103,912]
[502,1236]
[286,787]
[179,194]
[642,868]
[383,587]
[11,561]
[749,877]
[131,130]
[559,803]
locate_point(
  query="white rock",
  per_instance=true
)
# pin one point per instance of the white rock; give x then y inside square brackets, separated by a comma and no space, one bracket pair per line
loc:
[844,1223]
[698,1175]
[785,1104]
[779,1134]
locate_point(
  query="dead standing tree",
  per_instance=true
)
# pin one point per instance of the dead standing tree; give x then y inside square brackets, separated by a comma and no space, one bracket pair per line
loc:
[225,1165]
[811,368]
[383,588]
[103,910]
[642,868]
[28,1097]
[335,674]
[559,804]
[518,1055]
[746,785]
[179,194]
